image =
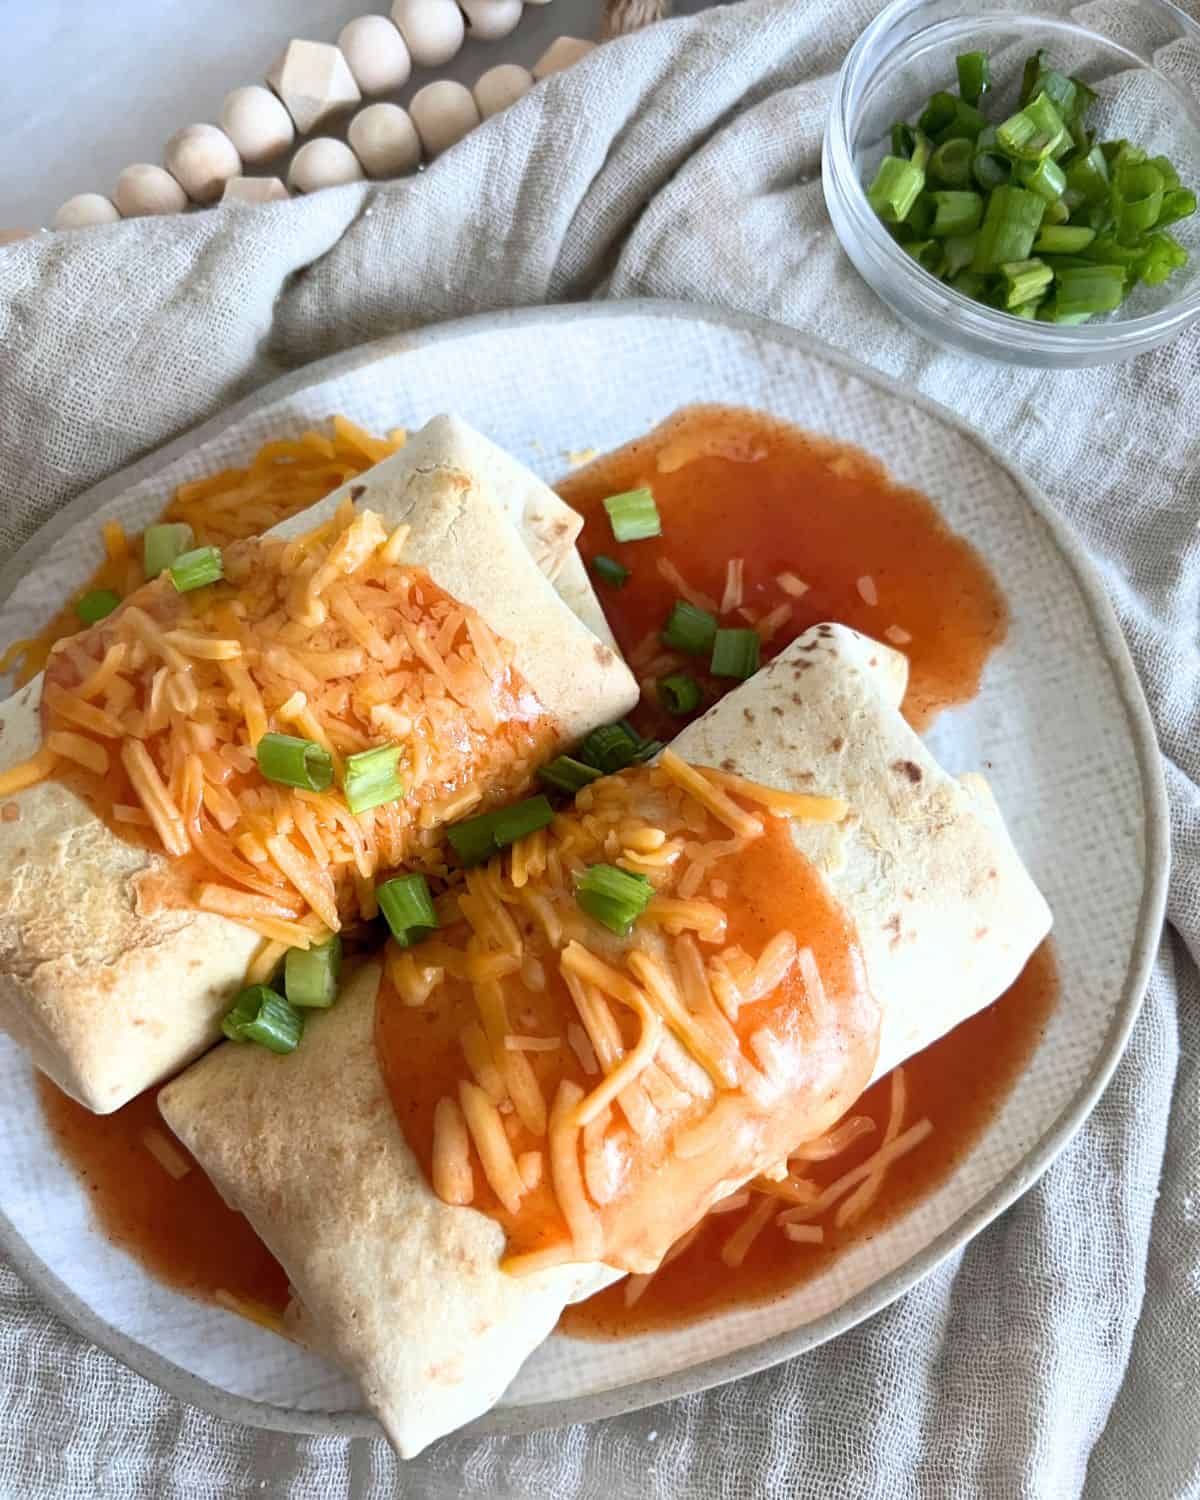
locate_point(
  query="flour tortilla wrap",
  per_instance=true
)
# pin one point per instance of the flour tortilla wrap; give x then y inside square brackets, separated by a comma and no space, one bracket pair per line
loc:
[109,1001]
[405,1291]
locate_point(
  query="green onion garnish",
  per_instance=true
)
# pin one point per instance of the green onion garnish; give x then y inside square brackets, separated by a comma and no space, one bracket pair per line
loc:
[941,111]
[1045,178]
[260,1014]
[290,761]
[407,907]
[97,605]
[310,975]
[690,629]
[477,839]
[610,571]
[161,545]
[566,774]
[1085,290]
[897,186]
[950,164]
[1009,228]
[904,139]
[1025,281]
[1033,132]
[615,898]
[371,778]
[196,569]
[956,213]
[610,748]
[1138,197]
[679,694]
[974,75]
[1063,239]
[633,515]
[735,654]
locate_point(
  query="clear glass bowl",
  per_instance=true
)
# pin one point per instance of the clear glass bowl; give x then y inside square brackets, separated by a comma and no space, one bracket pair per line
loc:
[1143,59]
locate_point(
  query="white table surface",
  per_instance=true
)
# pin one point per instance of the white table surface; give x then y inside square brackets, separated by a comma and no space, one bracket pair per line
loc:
[89,86]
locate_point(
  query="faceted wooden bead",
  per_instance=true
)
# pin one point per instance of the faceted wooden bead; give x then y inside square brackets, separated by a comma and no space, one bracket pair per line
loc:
[315,82]
[501,86]
[432,29]
[376,53]
[443,113]
[323,163]
[146,189]
[202,159]
[385,140]
[257,123]
[561,54]
[85,209]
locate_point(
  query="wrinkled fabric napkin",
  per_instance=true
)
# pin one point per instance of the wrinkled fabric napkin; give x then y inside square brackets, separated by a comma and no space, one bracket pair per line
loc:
[1058,1354]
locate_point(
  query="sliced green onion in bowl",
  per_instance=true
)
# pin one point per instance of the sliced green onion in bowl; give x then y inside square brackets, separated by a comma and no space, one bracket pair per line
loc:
[163,544]
[1086,290]
[610,571]
[310,975]
[679,694]
[1025,281]
[956,213]
[262,1015]
[950,164]
[974,75]
[291,761]
[372,778]
[97,605]
[689,628]
[1033,132]
[197,569]
[1009,228]
[407,908]
[565,774]
[1063,239]
[896,187]
[615,898]
[633,515]
[735,654]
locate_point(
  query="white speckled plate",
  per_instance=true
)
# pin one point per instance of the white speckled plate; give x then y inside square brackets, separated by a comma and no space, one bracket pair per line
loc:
[1060,722]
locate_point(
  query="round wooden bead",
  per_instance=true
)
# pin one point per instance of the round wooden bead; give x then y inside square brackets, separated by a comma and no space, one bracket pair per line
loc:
[443,113]
[501,86]
[385,140]
[560,54]
[433,29]
[323,163]
[257,123]
[202,159]
[146,189]
[489,20]
[85,209]
[254,190]
[376,53]
[11,236]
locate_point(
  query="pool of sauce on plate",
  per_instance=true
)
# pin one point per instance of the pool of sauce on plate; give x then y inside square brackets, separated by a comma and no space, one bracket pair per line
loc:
[728,483]
[733,483]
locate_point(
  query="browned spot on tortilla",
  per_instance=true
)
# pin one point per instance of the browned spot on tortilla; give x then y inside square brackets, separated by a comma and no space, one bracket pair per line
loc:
[603,655]
[812,646]
[874,662]
[981,932]
[908,768]
[892,925]
[10,811]
[800,666]
[777,711]
[907,894]
[357,491]
[748,715]
[729,764]
[449,1372]
[991,875]
[836,744]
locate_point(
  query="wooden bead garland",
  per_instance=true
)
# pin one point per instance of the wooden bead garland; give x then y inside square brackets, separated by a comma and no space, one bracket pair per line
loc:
[314,82]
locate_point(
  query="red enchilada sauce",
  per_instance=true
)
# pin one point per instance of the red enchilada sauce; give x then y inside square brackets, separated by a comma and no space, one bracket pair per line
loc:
[729,484]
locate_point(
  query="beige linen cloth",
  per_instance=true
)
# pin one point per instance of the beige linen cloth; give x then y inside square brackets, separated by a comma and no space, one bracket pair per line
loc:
[1058,1354]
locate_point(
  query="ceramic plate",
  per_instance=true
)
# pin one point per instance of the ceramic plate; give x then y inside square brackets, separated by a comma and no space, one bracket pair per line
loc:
[1060,725]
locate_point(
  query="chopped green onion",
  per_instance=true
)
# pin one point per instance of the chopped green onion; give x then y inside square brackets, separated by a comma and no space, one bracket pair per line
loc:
[897,185]
[196,569]
[565,774]
[989,165]
[633,515]
[1167,170]
[610,748]
[679,694]
[904,139]
[1030,75]
[1178,203]
[1163,254]
[615,898]
[161,545]
[941,111]
[371,778]
[1045,178]
[690,629]
[1033,132]
[1063,239]
[477,839]
[646,751]
[929,255]
[610,571]
[970,284]
[310,975]
[1056,212]
[290,761]
[1010,226]
[260,1014]
[950,164]
[1025,281]
[407,908]
[959,252]
[920,218]
[97,605]
[974,75]
[1088,290]
[956,213]
[735,654]
[1137,199]
[966,124]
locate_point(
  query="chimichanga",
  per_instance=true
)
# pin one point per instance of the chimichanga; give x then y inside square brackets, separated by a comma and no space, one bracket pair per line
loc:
[826,900]
[112,985]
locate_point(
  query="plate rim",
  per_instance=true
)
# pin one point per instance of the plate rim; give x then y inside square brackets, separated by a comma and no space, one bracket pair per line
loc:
[736,1364]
